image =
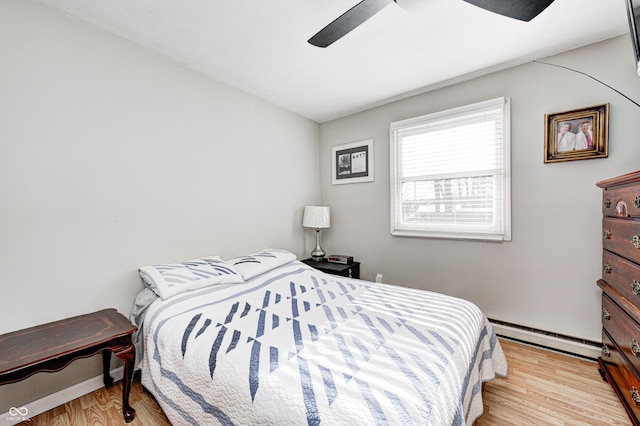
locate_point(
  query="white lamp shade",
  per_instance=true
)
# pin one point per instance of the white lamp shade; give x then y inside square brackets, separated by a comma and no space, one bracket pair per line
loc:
[316,217]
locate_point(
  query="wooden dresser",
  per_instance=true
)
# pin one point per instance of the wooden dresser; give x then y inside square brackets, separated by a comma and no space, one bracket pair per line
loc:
[620,283]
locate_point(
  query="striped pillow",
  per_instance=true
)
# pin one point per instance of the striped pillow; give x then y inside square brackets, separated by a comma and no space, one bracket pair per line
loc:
[167,280]
[252,265]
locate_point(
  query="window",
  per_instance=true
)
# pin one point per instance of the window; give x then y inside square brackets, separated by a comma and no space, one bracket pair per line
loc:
[450,173]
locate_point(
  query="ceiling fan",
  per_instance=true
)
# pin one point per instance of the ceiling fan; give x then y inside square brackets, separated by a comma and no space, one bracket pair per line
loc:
[523,10]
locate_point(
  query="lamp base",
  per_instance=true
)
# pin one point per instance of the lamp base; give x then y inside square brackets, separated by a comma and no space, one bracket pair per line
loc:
[318,253]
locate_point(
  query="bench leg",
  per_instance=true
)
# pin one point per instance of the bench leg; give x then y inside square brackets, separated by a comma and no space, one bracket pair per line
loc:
[106,367]
[128,357]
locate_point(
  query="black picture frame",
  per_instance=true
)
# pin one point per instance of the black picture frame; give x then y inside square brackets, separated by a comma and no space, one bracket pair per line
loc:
[352,162]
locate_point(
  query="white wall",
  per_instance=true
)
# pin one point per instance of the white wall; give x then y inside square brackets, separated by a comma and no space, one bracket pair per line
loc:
[545,277]
[112,158]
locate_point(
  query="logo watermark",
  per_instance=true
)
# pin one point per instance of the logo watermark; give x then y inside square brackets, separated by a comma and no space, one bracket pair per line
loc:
[18,414]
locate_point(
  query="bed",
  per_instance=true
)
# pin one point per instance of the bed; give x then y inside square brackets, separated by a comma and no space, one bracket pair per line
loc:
[273,341]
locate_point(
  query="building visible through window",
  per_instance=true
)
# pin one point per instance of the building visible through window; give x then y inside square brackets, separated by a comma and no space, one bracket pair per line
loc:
[450,173]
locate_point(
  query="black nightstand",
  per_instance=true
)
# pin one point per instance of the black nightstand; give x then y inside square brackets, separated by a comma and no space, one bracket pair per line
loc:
[349,270]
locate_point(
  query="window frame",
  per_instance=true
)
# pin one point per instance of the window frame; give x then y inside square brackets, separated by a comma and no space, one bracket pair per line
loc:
[399,228]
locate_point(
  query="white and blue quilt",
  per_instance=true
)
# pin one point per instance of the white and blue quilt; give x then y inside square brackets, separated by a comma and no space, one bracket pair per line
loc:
[296,346]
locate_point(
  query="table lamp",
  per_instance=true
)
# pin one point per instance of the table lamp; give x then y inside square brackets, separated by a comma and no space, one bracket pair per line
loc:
[316,217]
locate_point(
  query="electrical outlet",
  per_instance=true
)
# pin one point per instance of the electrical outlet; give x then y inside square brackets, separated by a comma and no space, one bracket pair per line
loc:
[378,278]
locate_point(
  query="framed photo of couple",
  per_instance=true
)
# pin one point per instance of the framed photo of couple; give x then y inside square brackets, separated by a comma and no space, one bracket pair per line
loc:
[580,134]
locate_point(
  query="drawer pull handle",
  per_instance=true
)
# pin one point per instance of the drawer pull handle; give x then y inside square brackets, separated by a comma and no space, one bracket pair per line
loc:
[606,268]
[607,203]
[635,287]
[635,395]
[635,347]
[605,314]
[636,241]
[606,234]
[605,351]
[636,202]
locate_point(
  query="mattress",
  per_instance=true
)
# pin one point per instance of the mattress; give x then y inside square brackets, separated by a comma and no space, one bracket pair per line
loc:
[297,346]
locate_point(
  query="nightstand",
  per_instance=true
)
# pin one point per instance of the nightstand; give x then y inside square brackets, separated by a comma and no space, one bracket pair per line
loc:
[349,270]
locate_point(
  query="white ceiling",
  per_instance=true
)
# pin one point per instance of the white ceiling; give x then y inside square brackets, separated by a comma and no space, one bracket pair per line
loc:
[261,46]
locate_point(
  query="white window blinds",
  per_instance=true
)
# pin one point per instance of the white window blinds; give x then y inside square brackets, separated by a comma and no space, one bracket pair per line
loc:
[450,173]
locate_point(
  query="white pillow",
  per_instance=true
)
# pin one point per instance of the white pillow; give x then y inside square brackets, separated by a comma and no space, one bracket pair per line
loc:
[167,280]
[258,263]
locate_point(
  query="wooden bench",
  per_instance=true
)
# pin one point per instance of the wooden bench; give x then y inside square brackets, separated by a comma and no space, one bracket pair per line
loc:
[51,347]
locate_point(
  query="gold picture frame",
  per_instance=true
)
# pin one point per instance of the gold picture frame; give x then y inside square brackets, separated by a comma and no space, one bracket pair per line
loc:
[579,134]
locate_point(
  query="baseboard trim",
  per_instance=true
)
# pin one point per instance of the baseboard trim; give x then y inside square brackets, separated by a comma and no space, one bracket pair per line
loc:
[548,340]
[58,398]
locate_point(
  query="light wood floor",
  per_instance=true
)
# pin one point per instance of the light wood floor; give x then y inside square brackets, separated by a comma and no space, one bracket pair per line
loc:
[547,388]
[104,407]
[542,388]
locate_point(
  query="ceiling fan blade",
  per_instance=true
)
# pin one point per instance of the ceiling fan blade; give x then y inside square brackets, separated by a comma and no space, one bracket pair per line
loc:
[348,21]
[524,10]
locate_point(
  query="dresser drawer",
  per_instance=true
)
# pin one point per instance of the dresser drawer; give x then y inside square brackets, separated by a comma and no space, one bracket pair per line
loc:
[623,275]
[627,384]
[623,201]
[623,329]
[622,236]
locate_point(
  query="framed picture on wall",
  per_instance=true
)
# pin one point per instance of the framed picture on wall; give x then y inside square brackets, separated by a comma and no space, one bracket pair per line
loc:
[580,134]
[352,162]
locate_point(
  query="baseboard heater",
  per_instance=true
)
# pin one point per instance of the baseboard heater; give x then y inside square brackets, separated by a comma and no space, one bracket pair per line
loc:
[548,340]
